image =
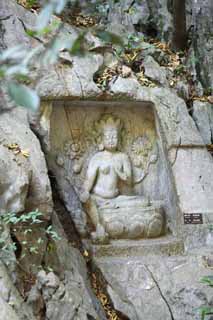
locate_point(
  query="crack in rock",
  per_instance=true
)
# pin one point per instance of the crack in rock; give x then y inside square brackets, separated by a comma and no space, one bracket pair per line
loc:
[160,291]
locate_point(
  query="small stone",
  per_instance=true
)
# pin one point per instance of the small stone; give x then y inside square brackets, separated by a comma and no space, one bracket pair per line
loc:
[52,280]
[125,71]
[154,72]
[42,277]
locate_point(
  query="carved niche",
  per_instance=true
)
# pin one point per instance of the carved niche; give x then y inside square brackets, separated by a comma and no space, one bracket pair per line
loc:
[106,156]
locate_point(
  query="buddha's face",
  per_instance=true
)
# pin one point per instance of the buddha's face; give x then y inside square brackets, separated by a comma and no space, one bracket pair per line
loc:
[110,139]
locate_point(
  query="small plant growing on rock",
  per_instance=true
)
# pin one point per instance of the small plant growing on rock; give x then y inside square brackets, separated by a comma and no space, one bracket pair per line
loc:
[206,310]
[23,229]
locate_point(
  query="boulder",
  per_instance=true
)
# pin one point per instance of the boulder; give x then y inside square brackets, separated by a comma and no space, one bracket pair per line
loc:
[24,181]
[154,72]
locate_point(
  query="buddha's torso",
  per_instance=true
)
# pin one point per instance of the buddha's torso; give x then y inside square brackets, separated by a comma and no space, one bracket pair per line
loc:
[107,178]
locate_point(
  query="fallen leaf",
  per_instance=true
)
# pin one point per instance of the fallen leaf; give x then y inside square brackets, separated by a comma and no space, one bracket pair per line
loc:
[86,254]
[25,153]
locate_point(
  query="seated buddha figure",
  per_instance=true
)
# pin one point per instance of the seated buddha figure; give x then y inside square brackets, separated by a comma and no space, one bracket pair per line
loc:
[112,214]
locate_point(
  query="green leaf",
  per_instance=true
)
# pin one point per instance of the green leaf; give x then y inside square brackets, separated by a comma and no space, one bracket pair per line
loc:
[78,45]
[204,311]
[44,17]
[31,33]
[23,96]
[30,3]
[109,37]
[207,280]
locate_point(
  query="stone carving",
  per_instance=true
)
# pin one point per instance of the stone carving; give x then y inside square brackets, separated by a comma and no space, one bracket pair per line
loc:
[142,156]
[74,150]
[112,214]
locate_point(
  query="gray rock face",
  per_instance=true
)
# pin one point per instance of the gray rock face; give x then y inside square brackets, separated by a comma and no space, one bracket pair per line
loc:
[203,116]
[14,183]
[154,72]
[69,295]
[202,12]
[76,80]
[151,288]
[62,299]
[24,181]
[12,304]
[149,17]
[11,27]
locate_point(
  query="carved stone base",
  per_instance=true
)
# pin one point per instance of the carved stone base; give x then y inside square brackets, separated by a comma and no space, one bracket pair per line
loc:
[131,217]
[167,245]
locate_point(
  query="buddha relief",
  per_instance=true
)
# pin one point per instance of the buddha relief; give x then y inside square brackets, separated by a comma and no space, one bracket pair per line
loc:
[112,214]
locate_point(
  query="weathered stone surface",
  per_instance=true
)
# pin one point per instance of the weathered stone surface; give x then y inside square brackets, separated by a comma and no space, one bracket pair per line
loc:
[13,16]
[203,117]
[182,89]
[7,313]
[24,184]
[163,246]
[154,72]
[73,78]
[181,137]
[193,172]
[14,182]
[12,304]
[172,112]
[115,214]
[152,288]
[62,299]
[202,12]
[191,164]
[7,256]
[74,140]
[68,296]
[24,181]
[74,81]
[148,17]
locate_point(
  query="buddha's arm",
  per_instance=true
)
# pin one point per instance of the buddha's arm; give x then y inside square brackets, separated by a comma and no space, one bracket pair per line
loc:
[92,172]
[125,172]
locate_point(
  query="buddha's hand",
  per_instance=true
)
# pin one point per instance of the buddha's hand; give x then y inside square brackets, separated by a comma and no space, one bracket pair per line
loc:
[84,196]
[120,172]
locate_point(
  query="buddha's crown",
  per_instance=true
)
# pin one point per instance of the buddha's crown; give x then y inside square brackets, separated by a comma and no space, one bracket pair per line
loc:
[109,121]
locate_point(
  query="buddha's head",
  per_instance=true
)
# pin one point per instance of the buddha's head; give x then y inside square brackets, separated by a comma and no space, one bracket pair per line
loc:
[110,132]
[110,139]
